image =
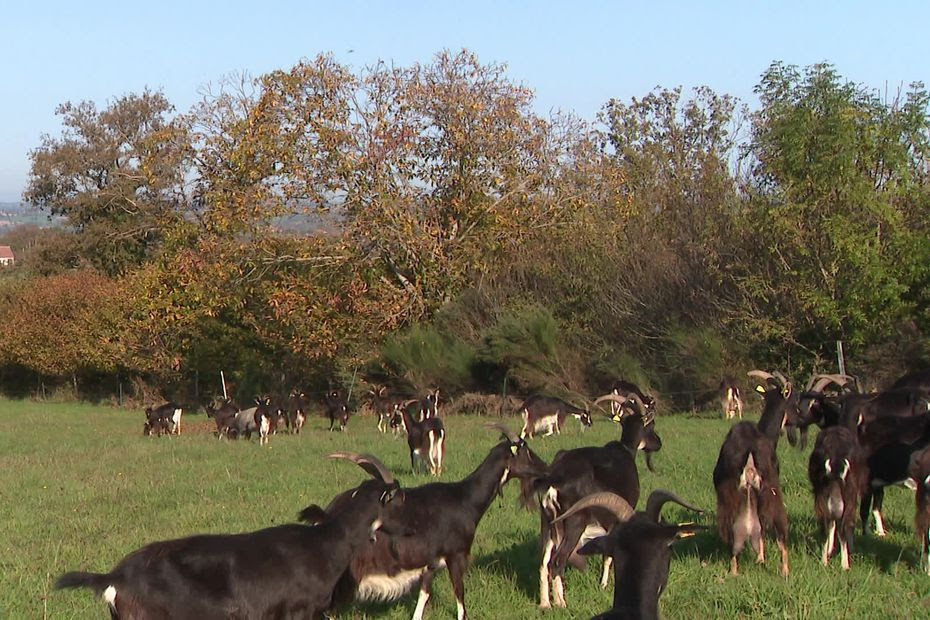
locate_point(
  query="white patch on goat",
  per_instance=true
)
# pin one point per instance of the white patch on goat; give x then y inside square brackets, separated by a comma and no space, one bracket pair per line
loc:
[109,595]
[879,524]
[461,609]
[828,543]
[550,422]
[844,554]
[591,531]
[845,471]
[544,574]
[835,505]
[382,587]
[826,467]
[910,483]
[558,591]
[421,605]
[605,575]
[550,502]
[504,476]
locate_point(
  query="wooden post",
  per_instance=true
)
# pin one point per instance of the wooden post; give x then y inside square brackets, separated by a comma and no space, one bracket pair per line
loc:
[840,359]
[223,379]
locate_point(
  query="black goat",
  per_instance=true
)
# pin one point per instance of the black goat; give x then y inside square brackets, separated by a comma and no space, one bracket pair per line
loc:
[920,472]
[427,442]
[624,388]
[164,418]
[749,497]
[438,521]
[919,380]
[385,404]
[549,413]
[337,409]
[296,413]
[838,475]
[224,416]
[575,474]
[639,546]
[284,571]
[887,444]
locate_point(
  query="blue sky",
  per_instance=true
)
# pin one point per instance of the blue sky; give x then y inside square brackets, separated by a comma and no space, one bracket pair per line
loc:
[574,55]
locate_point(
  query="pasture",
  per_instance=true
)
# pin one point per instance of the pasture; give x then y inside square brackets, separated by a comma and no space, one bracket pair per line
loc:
[81,487]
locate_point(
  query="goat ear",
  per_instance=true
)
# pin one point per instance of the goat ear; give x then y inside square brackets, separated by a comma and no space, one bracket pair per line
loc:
[312,514]
[595,546]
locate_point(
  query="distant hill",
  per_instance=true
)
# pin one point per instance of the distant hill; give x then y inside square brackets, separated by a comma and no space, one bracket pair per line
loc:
[19,213]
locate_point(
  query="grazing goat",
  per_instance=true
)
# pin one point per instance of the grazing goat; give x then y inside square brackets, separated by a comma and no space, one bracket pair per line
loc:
[549,413]
[385,405]
[286,571]
[920,472]
[165,417]
[337,409]
[730,400]
[224,417]
[426,440]
[837,473]
[888,444]
[640,547]
[749,497]
[439,521]
[575,474]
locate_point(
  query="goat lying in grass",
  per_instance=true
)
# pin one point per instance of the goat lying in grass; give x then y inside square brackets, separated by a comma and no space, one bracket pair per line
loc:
[639,546]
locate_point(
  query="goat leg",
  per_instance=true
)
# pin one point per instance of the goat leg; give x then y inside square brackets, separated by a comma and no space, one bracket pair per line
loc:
[572,530]
[426,584]
[783,548]
[457,565]
[605,575]
[828,542]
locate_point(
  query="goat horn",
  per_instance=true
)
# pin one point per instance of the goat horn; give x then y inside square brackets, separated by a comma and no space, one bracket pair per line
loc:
[612,502]
[780,377]
[760,374]
[504,431]
[611,397]
[622,400]
[367,462]
[659,497]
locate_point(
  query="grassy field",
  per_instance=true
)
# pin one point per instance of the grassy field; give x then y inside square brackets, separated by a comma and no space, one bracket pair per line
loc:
[81,487]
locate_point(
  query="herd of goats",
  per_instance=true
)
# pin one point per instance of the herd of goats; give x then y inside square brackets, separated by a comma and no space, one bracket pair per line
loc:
[378,540]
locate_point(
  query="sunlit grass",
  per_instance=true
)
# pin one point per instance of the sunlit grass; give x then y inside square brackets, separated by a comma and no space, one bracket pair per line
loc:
[81,487]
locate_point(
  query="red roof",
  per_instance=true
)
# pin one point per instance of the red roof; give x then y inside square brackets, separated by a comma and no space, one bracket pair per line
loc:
[5,251]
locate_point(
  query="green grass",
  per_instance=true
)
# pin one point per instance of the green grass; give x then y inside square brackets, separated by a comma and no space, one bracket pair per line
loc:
[81,487]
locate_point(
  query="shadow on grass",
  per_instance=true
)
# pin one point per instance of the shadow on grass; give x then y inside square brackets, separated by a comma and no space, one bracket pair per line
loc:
[519,561]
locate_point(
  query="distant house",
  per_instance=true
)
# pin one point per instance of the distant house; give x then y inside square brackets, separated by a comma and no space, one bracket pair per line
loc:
[6,256]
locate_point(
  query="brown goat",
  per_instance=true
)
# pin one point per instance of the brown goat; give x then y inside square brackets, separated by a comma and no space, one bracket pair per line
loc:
[749,496]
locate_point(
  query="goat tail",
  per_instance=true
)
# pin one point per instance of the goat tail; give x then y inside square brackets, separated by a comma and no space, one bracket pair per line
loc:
[97,582]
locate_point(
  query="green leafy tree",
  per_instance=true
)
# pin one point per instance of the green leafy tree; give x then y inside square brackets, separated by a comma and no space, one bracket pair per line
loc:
[836,217]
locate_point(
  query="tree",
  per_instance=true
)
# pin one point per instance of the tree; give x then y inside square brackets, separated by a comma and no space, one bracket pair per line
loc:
[117,175]
[63,325]
[837,208]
